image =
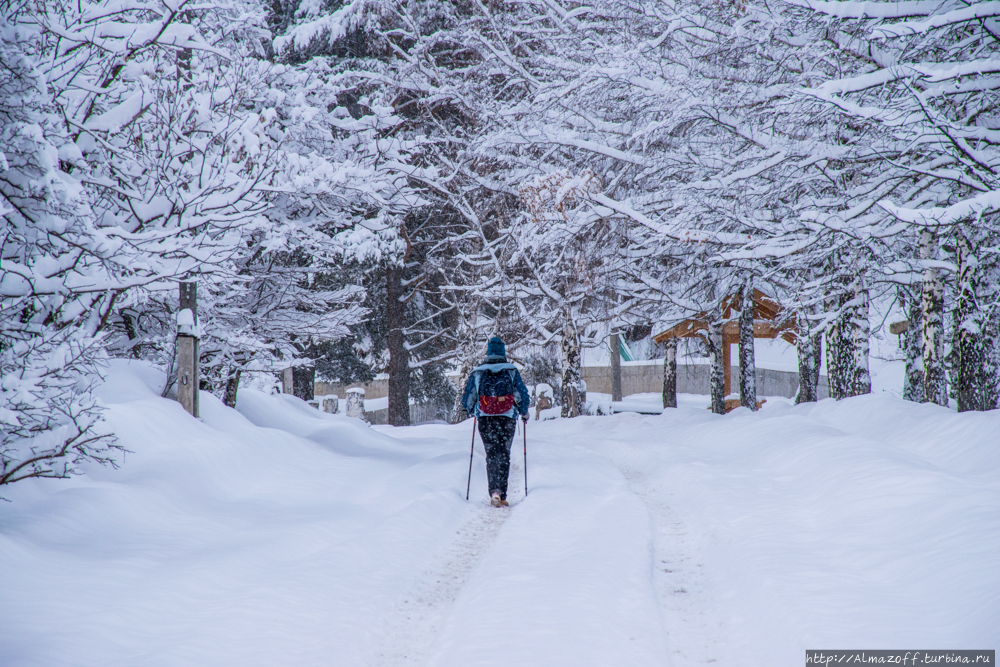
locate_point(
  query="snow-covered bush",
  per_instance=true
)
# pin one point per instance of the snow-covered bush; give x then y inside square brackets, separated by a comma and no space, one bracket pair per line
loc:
[55,285]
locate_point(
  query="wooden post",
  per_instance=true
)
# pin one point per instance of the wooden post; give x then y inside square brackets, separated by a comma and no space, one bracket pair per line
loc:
[188,371]
[727,364]
[616,368]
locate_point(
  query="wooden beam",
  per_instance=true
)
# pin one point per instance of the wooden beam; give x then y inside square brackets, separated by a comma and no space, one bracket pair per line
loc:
[686,329]
[761,329]
[727,362]
[768,311]
[764,307]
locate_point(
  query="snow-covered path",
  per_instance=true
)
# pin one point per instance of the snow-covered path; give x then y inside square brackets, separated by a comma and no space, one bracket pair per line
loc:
[568,578]
[281,536]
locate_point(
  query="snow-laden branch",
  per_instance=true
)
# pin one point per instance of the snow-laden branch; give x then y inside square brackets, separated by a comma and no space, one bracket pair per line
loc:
[939,216]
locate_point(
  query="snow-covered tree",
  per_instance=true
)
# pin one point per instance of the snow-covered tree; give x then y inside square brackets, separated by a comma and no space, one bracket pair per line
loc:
[926,85]
[57,279]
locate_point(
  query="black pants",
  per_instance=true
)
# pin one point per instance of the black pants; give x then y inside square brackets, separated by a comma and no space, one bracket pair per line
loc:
[497,434]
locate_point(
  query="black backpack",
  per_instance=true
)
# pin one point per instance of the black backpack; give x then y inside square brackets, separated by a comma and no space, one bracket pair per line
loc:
[496,392]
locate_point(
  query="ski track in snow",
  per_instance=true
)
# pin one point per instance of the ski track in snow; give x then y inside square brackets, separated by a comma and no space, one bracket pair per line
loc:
[410,635]
[679,580]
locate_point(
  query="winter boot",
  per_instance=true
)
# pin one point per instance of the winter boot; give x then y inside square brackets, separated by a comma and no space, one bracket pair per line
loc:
[495,499]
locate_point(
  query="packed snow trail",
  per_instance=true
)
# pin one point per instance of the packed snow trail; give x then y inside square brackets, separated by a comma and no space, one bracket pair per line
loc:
[568,580]
[278,535]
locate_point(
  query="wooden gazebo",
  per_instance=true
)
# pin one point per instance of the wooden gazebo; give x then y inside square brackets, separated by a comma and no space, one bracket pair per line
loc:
[770,320]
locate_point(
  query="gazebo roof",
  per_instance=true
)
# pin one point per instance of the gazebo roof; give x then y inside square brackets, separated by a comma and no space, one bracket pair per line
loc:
[770,321]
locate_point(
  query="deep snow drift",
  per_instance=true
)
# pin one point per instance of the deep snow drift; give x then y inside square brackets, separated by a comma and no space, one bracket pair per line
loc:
[278,535]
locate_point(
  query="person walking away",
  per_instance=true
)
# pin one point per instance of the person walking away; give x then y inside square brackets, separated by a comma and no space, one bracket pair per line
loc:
[495,394]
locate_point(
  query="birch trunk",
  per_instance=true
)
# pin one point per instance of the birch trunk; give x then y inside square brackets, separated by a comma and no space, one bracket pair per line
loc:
[975,377]
[932,300]
[232,386]
[809,351]
[860,333]
[839,355]
[670,374]
[573,393]
[912,342]
[717,380]
[748,366]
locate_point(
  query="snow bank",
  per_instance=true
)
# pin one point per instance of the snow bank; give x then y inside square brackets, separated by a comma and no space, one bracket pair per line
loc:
[869,522]
[281,535]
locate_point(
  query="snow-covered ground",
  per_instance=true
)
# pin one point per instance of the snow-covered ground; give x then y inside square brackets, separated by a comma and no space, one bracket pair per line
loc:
[278,535]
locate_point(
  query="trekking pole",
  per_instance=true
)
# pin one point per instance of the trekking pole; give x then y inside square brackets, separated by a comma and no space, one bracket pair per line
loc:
[524,428]
[468,484]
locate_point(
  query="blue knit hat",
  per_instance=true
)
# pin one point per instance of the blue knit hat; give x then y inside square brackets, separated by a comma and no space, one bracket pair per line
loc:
[495,349]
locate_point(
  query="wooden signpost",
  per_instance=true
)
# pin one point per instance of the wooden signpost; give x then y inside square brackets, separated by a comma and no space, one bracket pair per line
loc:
[616,368]
[188,370]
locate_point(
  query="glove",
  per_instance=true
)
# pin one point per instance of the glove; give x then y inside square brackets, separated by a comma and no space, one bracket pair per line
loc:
[524,418]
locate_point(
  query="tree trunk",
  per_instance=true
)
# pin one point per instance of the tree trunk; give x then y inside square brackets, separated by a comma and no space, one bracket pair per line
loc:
[399,356]
[860,333]
[573,393]
[717,379]
[299,381]
[748,366]
[616,368]
[932,299]
[232,386]
[839,355]
[913,345]
[670,374]
[135,345]
[809,352]
[975,377]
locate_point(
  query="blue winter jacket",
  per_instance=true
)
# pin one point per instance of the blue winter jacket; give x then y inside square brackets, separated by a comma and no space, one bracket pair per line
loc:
[470,399]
